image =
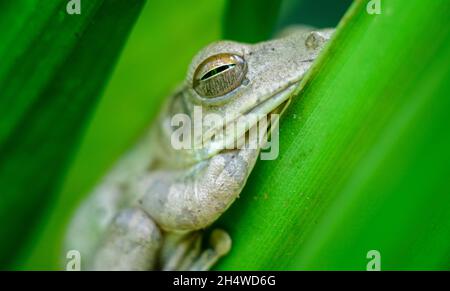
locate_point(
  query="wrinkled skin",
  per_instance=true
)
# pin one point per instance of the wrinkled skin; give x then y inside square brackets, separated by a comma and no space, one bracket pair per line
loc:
[148,212]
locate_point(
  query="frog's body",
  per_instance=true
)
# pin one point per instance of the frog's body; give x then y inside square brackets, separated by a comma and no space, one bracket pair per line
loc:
[148,211]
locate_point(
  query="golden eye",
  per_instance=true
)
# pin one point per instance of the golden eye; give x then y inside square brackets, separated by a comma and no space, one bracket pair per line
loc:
[219,74]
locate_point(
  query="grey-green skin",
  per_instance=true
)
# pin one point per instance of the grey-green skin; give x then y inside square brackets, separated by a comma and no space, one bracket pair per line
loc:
[148,212]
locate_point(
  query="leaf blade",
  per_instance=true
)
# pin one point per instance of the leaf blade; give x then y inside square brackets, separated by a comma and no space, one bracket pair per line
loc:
[292,216]
[38,143]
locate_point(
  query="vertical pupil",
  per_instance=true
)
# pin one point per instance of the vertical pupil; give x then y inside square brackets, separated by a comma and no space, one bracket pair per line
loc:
[216,71]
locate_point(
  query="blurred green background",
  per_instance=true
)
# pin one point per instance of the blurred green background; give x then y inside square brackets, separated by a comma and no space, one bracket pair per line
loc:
[364,150]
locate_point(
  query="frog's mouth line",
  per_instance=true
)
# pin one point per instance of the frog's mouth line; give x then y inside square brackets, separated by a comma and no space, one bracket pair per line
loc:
[273,105]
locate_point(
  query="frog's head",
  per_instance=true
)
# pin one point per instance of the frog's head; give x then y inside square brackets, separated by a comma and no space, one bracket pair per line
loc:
[234,79]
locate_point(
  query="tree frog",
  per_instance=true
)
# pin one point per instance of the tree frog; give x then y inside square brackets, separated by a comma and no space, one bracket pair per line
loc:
[150,211]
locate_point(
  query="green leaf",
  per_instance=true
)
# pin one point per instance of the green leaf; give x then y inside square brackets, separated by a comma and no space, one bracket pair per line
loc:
[54,66]
[250,20]
[364,156]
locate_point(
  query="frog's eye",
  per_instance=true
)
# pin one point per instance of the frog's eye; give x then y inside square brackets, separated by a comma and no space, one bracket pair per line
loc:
[219,74]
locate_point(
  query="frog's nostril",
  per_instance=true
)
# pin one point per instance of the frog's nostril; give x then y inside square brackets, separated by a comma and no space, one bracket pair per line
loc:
[316,39]
[313,40]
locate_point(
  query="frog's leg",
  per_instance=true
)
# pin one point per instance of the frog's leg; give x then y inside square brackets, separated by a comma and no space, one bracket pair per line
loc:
[192,199]
[184,252]
[188,200]
[131,242]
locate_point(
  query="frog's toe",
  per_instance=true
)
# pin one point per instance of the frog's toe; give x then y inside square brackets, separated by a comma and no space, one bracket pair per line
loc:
[184,252]
[180,250]
[220,245]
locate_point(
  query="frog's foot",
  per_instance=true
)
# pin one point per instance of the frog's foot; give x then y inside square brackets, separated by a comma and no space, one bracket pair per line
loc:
[220,243]
[188,254]
[179,248]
